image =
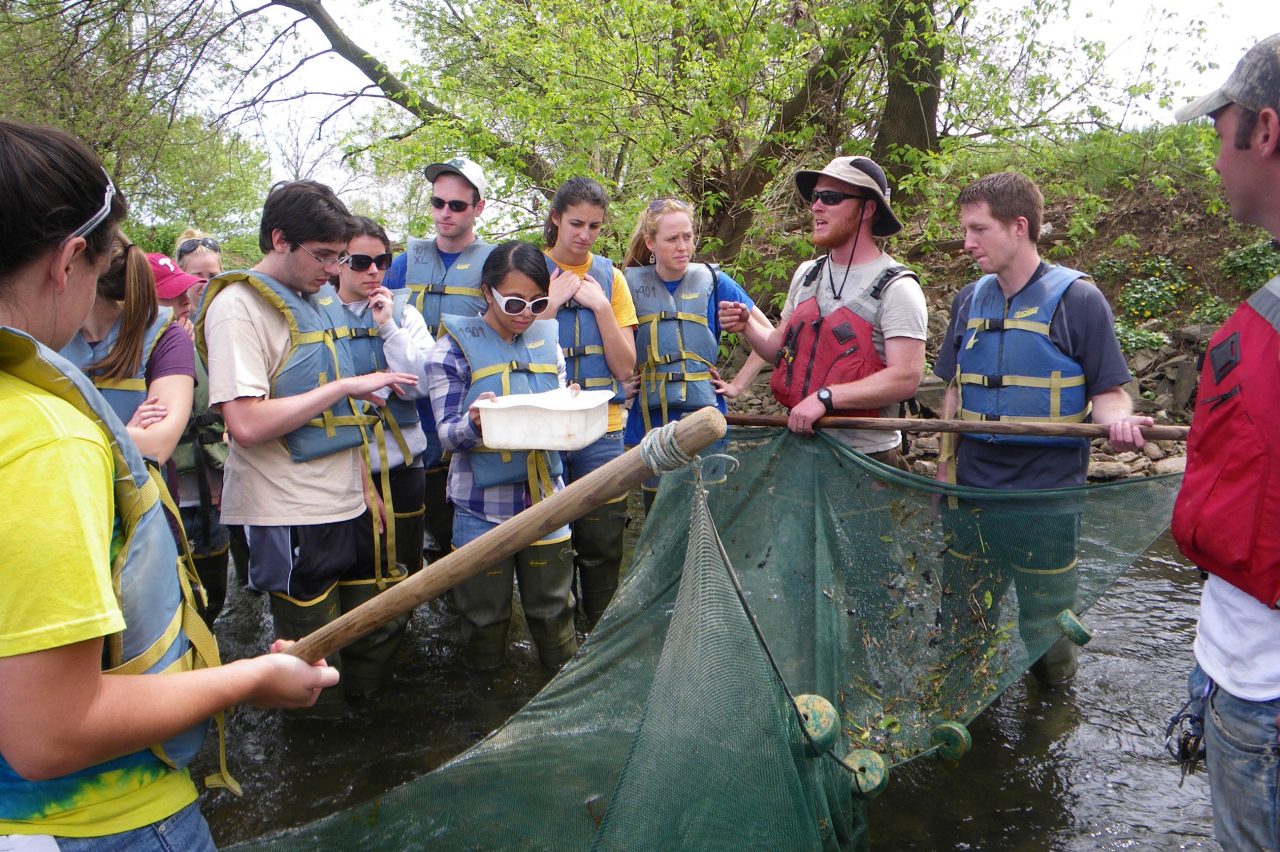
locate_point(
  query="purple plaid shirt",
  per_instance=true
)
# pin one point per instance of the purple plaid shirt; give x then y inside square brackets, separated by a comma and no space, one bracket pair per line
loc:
[448,380]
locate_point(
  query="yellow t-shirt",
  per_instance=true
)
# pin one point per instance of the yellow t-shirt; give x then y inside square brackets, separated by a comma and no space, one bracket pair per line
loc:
[624,311]
[55,548]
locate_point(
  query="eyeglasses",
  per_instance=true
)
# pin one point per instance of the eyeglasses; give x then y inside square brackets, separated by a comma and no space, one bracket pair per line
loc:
[324,258]
[658,204]
[514,305]
[361,262]
[831,198]
[99,217]
[188,246]
[455,205]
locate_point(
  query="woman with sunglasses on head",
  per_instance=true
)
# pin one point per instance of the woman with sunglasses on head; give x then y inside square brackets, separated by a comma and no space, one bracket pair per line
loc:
[509,348]
[94,743]
[200,255]
[597,332]
[679,338]
[141,360]
[385,332]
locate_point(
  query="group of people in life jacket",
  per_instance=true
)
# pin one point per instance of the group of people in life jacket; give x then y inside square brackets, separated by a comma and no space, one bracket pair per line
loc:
[328,433]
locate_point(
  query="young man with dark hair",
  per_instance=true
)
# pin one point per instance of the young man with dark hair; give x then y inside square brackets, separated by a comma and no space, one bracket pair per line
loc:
[443,273]
[1028,341]
[1225,516]
[285,386]
[850,340]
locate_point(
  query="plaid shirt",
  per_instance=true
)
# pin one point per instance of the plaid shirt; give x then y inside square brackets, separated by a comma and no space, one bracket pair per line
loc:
[448,380]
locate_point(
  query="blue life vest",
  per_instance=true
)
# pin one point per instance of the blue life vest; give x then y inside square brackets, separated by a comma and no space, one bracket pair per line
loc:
[163,631]
[1008,368]
[361,334]
[675,348]
[316,356]
[123,395]
[580,338]
[526,365]
[438,291]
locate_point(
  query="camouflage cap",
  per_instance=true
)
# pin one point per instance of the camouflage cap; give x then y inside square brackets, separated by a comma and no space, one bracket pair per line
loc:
[1255,84]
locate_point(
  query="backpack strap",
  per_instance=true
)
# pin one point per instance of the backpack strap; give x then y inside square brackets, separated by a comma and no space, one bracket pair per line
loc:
[890,275]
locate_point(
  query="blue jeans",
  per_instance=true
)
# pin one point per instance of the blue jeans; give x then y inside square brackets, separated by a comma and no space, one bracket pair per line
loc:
[185,831]
[578,463]
[1243,757]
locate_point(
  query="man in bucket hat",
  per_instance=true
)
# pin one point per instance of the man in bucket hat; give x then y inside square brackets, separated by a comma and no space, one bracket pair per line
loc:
[1225,517]
[852,331]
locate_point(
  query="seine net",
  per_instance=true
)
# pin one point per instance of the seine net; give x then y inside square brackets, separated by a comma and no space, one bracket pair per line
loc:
[807,570]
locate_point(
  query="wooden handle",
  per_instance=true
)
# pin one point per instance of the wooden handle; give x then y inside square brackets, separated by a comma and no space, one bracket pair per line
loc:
[693,433]
[999,427]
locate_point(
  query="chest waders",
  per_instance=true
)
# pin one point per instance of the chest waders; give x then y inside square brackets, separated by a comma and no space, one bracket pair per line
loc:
[152,582]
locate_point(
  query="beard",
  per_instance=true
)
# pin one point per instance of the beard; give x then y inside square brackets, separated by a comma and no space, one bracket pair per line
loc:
[838,232]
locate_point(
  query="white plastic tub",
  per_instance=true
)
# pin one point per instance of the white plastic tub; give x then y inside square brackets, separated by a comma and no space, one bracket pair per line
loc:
[552,420]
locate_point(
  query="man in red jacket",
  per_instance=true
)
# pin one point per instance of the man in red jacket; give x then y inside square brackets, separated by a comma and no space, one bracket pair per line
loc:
[1225,518]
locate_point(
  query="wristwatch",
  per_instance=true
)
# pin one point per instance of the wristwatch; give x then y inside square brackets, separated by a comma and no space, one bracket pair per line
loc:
[824,397]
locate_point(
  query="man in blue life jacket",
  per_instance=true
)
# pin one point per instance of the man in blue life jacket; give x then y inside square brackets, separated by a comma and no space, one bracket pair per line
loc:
[443,273]
[286,389]
[1225,517]
[1028,341]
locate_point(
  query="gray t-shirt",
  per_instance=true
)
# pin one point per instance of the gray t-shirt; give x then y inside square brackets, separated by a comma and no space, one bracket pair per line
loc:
[1084,329]
[899,312]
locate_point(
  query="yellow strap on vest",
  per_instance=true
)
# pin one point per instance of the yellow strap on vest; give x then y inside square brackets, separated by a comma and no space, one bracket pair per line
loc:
[539,474]
[151,656]
[652,379]
[371,500]
[186,560]
[1055,381]
[458,290]
[121,384]
[390,419]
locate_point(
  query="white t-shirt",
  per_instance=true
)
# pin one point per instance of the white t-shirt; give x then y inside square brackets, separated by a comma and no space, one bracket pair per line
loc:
[900,312]
[1238,641]
[247,341]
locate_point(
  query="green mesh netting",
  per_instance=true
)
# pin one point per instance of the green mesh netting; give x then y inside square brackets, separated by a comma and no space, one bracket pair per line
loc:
[905,604]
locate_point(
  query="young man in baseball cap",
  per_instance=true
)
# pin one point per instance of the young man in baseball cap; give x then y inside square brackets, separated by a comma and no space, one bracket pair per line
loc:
[443,273]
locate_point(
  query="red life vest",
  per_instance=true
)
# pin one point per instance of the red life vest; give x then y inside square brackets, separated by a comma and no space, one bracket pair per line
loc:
[820,351]
[1225,517]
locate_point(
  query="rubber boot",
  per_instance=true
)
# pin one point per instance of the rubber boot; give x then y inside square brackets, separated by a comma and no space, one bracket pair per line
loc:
[239,553]
[597,544]
[485,648]
[556,640]
[212,571]
[1058,664]
[293,620]
[368,662]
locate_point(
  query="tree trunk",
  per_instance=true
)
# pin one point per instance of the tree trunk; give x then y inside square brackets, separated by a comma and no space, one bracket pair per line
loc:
[913,62]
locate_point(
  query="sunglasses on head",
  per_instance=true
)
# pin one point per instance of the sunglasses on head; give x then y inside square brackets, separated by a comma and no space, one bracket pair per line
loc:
[514,305]
[191,245]
[659,204]
[361,262]
[103,212]
[830,198]
[455,205]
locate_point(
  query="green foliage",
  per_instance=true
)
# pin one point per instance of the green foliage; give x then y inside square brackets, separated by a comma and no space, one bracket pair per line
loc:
[1251,266]
[1211,309]
[1133,338]
[1157,291]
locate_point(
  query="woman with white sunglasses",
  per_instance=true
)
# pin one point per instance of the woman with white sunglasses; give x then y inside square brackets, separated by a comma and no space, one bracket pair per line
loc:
[508,349]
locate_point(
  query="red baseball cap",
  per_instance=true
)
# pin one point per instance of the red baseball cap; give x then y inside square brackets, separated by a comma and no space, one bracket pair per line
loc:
[171,282]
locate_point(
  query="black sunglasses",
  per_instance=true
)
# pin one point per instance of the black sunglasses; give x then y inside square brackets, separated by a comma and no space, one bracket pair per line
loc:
[189,246]
[830,198]
[361,262]
[455,205]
